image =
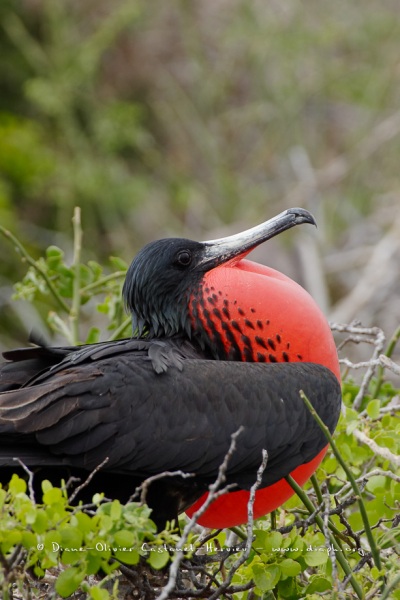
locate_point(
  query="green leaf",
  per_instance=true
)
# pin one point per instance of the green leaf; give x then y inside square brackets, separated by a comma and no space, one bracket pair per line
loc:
[266,577]
[158,559]
[46,485]
[314,558]
[290,567]
[52,542]
[54,257]
[130,557]
[82,521]
[375,483]
[17,485]
[71,537]
[318,583]
[115,510]
[97,498]
[11,539]
[98,593]
[124,538]
[373,408]
[273,542]
[41,521]
[93,335]
[69,581]
[28,540]
[118,263]
[93,562]
[52,496]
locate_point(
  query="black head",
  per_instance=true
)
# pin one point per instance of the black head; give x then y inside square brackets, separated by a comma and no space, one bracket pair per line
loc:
[165,273]
[158,285]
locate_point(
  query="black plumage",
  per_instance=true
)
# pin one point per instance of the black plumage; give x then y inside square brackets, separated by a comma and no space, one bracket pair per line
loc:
[144,405]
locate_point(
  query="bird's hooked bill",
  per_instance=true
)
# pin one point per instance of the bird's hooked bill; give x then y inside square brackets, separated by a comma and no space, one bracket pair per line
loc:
[222,250]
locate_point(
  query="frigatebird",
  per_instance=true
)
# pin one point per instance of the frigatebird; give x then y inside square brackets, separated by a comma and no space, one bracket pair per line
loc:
[219,343]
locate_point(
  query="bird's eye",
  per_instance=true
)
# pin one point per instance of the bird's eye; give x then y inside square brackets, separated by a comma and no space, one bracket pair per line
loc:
[184,258]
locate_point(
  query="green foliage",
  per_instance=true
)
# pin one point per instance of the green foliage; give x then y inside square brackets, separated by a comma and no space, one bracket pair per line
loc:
[25,161]
[57,286]
[133,130]
[85,540]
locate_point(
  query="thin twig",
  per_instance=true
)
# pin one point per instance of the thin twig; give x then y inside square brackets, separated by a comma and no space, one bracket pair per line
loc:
[30,479]
[350,476]
[388,363]
[101,282]
[214,492]
[376,337]
[366,476]
[389,351]
[341,559]
[76,295]
[330,550]
[311,519]
[88,480]
[27,257]
[376,449]
[142,489]
[250,524]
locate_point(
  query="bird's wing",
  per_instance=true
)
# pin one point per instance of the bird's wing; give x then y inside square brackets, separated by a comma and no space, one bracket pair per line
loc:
[25,366]
[148,408]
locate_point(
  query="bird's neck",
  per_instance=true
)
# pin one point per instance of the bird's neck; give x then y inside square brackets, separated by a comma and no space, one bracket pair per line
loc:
[223,329]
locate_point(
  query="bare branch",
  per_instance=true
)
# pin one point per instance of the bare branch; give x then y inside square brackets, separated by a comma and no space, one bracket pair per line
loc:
[88,480]
[389,364]
[330,549]
[250,524]
[30,479]
[376,449]
[371,335]
[214,492]
[143,487]
[366,476]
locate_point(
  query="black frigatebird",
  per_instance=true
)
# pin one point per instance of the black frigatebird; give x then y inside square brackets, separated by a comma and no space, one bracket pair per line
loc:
[170,397]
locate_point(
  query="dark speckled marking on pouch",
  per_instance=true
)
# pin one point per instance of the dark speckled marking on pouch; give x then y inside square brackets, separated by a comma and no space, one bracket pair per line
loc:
[234,352]
[226,312]
[260,342]
[248,354]
[217,313]
[236,326]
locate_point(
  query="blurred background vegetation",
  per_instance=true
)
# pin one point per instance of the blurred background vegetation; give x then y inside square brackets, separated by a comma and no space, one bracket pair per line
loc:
[202,118]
